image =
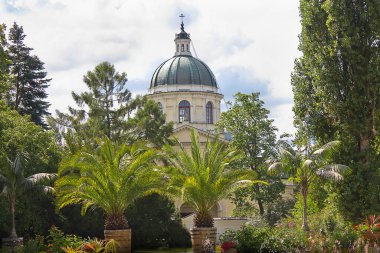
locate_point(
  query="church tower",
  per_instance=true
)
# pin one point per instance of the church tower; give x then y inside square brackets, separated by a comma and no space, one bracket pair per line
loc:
[186,89]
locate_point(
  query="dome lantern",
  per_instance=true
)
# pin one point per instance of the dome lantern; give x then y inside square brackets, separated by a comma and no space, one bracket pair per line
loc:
[182,41]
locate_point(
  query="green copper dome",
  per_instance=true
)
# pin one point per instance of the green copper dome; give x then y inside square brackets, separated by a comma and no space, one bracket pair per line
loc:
[183,69]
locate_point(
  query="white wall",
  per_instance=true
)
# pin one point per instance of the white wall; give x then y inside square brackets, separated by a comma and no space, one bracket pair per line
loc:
[221,224]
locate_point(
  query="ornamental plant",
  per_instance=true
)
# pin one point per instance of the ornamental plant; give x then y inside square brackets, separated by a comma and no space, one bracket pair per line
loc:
[370,225]
[202,176]
[228,245]
[110,178]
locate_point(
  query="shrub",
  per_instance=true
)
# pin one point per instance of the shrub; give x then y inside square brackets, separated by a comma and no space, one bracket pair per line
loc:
[58,240]
[281,239]
[35,245]
[252,239]
[154,224]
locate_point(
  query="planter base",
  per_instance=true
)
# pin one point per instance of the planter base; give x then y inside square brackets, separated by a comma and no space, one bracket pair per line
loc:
[122,238]
[199,235]
[11,243]
[371,249]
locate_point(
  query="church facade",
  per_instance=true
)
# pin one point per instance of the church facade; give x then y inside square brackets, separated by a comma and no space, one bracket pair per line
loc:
[186,90]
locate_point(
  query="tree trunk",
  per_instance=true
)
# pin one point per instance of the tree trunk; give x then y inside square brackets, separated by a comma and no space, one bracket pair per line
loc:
[13,213]
[261,206]
[305,225]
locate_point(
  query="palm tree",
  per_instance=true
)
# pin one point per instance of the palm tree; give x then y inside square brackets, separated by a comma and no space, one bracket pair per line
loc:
[305,168]
[202,178]
[13,182]
[110,178]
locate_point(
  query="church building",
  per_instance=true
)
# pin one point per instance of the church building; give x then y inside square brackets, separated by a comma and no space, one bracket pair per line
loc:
[186,90]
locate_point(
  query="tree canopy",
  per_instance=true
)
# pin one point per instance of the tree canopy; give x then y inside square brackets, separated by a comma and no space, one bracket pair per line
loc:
[336,91]
[27,93]
[254,134]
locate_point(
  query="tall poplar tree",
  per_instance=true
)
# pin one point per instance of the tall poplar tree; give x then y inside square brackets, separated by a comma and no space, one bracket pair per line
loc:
[336,86]
[4,64]
[29,83]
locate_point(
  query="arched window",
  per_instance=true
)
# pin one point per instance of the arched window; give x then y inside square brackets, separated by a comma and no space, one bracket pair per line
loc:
[187,47]
[184,111]
[159,105]
[182,47]
[209,119]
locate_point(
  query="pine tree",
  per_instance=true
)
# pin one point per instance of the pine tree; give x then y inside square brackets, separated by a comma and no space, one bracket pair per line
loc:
[102,110]
[29,83]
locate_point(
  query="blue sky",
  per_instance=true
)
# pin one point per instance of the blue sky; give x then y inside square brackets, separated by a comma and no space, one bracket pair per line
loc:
[249,45]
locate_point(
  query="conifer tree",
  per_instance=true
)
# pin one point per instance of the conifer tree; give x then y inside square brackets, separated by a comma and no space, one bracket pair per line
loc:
[28,78]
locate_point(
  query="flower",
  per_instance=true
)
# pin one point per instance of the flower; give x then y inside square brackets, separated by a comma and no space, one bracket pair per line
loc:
[228,245]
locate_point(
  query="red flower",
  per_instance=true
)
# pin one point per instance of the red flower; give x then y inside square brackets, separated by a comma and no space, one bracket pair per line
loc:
[228,245]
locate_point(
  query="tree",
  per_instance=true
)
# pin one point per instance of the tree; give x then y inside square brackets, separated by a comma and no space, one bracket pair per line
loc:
[29,83]
[253,133]
[149,123]
[336,92]
[202,178]
[304,169]
[103,110]
[13,182]
[4,64]
[110,178]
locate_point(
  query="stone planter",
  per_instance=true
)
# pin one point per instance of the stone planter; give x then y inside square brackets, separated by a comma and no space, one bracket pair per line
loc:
[12,243]
[122,238]
[199,235]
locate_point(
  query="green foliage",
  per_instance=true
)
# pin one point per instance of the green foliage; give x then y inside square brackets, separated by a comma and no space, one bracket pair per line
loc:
[204,175]
[155,224]
[103,109]
[149,123]
[278,209]
[13,182]
[57,240]
[34,212]
[312,207]
[29,83]
[254,134]
[4,64]
[252,239]
[306,168]
[91,224]
[110,178]
[336,89]
[35,245]
[19,133]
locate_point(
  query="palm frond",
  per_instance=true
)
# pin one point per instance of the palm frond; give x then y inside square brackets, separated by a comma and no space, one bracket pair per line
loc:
[332,171]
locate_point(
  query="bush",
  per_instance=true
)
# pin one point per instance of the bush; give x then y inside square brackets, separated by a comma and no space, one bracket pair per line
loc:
[252,239]
[57,240]
[154,224]
[35,245]
[282,240]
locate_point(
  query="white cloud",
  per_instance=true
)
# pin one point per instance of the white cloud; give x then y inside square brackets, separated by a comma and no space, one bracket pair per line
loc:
[72,37]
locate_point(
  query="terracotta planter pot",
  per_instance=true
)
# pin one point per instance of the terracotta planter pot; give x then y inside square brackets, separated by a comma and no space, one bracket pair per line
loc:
[122,238]
[199,235]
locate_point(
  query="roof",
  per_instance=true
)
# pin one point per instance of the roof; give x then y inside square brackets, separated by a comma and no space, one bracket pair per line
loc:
[183,69]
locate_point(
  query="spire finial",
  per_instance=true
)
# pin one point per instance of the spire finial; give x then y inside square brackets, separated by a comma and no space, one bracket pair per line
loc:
[182,27]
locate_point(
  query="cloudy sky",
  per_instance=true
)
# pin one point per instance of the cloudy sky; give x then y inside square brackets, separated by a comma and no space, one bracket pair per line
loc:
[249,44]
